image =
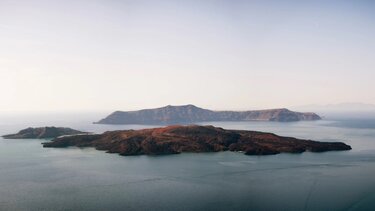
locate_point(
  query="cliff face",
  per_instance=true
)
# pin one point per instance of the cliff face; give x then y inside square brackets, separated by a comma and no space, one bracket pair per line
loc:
[43,132]
[177,139]
[191,114]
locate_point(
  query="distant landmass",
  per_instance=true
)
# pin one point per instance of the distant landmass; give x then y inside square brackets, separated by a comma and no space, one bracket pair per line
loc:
[43,133]
[190,114]
[342,110]
[193,138]
[340,107]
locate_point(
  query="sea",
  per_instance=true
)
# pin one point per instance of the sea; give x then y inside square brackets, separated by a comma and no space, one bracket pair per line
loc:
[37,178]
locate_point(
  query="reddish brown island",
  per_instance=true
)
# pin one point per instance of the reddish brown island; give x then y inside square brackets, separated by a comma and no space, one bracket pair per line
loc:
[193,138]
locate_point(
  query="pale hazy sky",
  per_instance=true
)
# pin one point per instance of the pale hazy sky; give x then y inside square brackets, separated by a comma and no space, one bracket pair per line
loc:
[233,54]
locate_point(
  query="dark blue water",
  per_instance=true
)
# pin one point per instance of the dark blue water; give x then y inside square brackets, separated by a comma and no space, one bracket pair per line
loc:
[35,178]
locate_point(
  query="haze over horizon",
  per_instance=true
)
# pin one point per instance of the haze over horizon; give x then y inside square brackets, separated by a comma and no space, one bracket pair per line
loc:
[216,54]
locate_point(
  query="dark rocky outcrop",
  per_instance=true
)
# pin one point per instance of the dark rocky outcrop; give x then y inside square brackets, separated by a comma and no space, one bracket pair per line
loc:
[43,133]
[191,114]
[177,139]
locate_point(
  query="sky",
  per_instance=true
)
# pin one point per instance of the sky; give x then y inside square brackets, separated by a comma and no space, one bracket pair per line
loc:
[220,54]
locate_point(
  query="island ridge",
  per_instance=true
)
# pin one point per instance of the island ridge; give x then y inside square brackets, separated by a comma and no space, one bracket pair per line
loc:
[193,114]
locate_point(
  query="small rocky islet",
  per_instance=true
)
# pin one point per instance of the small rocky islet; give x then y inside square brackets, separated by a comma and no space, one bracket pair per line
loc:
[43,133]
[193,138]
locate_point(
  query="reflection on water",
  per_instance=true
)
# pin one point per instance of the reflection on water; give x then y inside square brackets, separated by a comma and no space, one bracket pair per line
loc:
[34,178]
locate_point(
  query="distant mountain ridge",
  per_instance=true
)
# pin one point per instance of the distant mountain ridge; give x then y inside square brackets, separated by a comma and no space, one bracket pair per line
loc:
[191,113]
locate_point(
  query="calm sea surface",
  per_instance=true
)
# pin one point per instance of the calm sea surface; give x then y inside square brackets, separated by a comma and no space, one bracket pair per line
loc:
[36,178]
